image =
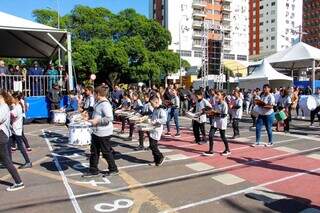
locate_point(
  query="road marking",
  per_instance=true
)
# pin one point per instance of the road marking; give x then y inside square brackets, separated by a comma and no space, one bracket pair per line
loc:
[177,157]
[64,178]
[96,183]
[192,175]
[117,204]
[202,202]
[227,179]
[265,195]
[199,166]
[286,149]
[314,156]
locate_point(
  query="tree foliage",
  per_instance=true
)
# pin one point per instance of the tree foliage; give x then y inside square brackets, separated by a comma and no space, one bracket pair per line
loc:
[124,47]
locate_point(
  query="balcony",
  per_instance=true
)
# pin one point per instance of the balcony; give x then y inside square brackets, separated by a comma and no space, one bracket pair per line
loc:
[227,37]
[197,34]
[197,24]
[199,4]
[199,13]
[226,9]
[226,28]
[196,44]
[226,18]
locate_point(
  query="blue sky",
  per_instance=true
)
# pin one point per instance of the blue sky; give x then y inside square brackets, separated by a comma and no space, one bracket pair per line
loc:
[23,8]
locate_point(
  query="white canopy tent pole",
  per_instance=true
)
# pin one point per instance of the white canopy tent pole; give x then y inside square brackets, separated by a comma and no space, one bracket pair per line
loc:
[70,73]
[313,76]
[57,42]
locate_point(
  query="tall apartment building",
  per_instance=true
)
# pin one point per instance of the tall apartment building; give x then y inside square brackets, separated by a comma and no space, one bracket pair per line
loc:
[274,26]
[311,22]
[185,19]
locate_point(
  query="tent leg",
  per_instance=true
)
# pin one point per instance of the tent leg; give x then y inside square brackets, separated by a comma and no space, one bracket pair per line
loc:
[70,73]
[313,76]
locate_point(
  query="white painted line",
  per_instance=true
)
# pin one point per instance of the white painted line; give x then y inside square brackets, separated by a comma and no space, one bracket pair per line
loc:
[64,178]
[183,177]
[177,157]
[202,202]
[265,195]
[227,179]
[199,166]
[314,156]
[286,149]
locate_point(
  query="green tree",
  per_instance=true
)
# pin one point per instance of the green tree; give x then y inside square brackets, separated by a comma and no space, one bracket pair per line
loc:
[124,47]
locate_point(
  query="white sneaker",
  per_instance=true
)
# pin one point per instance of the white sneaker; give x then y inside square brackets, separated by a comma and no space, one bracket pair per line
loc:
[268,144]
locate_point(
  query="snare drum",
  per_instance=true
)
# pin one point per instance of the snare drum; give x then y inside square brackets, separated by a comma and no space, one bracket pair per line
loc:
[80,134]
[194,116]
[59,117]
[307,103]
[145,127]
[74,117]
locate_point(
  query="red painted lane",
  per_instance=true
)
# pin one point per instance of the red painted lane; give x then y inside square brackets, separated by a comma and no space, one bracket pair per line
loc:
[306,187]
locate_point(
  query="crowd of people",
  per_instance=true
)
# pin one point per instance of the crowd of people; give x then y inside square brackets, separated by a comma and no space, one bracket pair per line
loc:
[37,77]
[161,105]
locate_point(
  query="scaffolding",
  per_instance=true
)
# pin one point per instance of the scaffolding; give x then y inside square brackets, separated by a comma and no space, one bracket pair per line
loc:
[207,28]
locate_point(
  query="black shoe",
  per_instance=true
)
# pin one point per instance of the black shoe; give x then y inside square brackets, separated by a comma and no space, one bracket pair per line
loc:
[90,174]
[15,187]
[160,162]
[25,166]
[147,148]
[209,153]
[139,148]
[178,135]
[113,173]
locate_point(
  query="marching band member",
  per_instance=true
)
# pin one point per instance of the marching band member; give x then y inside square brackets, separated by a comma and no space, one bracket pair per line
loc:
[220,122]
[284,105]
[158,119]
[101,121]
[146,111]
[236,111]
[174,113]
[5,133]
[89,101]
[199,125]
[125,105]
[266,114]
[17,128]
[137,107]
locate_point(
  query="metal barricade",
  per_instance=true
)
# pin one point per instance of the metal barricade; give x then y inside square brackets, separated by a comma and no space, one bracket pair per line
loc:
[32,85]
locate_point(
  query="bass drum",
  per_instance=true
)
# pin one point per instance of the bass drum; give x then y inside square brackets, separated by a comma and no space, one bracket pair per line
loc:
[307,103]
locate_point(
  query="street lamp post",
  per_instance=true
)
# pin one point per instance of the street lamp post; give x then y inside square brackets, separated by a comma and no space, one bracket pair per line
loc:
[181,28]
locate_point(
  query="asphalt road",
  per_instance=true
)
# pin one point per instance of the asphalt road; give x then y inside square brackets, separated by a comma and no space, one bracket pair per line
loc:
[284,178]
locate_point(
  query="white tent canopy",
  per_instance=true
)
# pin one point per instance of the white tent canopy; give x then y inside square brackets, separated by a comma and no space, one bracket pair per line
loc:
[23,38]
[300,55]
[264,74]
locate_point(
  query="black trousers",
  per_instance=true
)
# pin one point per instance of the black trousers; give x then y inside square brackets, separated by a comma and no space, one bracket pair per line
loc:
[5,158]
[123,122]
[21,146]
[103,145]
[222,136]
[197,127]
[141,137]
[157,155]
[314,113]
[235,126]
[131,128]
